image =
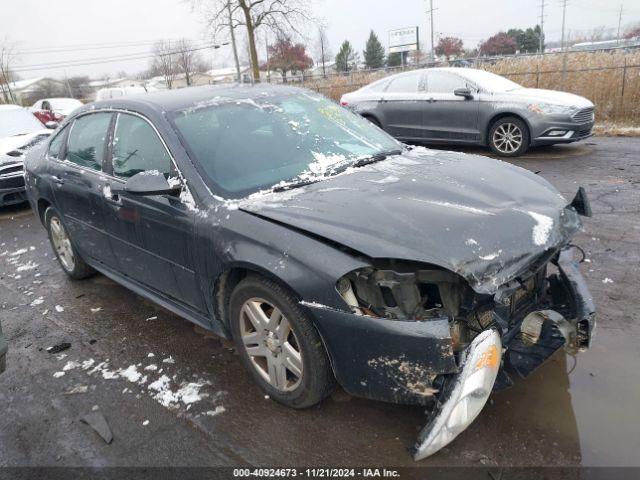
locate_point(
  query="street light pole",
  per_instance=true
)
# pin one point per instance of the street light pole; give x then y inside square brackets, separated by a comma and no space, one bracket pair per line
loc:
[433,48]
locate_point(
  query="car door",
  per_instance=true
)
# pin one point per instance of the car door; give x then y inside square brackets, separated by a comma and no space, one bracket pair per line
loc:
[76,173]
[152,236]
[401,106]
[446,116]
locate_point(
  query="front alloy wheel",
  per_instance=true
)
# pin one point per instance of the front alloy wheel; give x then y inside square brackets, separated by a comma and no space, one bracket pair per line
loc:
[271,344]
[278,342]
[509,137]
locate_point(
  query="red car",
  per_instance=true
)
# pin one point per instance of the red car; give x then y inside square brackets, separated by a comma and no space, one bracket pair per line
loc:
[54,109]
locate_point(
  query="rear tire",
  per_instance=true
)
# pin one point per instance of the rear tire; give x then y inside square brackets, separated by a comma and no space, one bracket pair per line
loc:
[509,137]
[278,343]
[68,257]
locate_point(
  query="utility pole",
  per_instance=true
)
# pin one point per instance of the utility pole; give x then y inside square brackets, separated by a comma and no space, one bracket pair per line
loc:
[619,25]
[541,46]
[564,16]
[564,47]
[433,47]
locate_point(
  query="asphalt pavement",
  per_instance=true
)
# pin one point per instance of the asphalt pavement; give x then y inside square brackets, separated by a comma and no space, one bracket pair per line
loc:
[173,394]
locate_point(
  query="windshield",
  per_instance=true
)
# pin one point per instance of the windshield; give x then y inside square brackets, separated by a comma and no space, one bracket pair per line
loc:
[17,121]
[243,146]
[489,81]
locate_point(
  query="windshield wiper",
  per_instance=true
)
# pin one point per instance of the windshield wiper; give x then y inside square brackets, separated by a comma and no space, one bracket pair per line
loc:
[290,186]
[376,157]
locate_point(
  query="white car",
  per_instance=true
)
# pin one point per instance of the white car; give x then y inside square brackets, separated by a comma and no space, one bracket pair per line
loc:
[117,92]
[20,131]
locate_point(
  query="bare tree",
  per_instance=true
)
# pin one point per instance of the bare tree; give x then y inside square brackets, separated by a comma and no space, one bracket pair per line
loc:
[279,16]
[7,57]
[188,60]
[165,61]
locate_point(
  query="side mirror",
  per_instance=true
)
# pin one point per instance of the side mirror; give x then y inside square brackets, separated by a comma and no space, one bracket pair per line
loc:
[51,125]
[463,92]
[150,182]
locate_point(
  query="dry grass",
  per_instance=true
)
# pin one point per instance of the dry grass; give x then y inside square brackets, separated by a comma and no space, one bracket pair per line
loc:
[597,76]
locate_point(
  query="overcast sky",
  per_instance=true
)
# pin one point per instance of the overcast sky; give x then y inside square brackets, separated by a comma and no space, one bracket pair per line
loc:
[79,31]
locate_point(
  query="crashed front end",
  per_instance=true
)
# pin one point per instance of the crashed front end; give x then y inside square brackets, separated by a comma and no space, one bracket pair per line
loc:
[421,334]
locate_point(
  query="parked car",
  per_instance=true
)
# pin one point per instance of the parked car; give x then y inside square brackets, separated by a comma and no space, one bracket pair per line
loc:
[468,106]
[19,131]
[54,109]
[324,248]
[117,92]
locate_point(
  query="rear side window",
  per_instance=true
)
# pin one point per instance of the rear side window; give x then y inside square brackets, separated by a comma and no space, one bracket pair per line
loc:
[55,147]
[438,82]
[137,148]
[87,140]
[405,84]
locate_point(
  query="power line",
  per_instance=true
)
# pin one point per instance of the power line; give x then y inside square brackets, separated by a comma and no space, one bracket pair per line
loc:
[96,61]
[88,46]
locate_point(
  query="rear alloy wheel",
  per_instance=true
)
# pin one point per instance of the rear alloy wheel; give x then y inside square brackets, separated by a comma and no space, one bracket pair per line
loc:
[509,137]
[72,264]
[278,343]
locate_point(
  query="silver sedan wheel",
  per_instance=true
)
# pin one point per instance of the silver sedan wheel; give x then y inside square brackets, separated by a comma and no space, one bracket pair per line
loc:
[507,138]
[271,344]
[62,244]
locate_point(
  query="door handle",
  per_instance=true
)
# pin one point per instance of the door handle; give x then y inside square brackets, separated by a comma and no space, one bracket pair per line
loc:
[57,180]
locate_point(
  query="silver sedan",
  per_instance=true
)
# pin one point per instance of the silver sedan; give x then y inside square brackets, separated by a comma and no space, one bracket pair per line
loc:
[469,106]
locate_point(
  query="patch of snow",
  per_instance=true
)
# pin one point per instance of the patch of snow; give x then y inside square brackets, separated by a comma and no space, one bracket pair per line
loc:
[212,413]
[58,374]
[471,241]
[59,308]
[96,310]
[19,252]
[27,266]
[607,280]
[542,229]
[152,368]
[37,301]
[169,359]
[145,423]
[187,394]
[70,366]
[455,206]
[131,374]
[491,256]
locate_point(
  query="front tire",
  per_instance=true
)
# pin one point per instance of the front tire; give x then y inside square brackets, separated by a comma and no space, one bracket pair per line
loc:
[509,137]
[279,344]
[68,257]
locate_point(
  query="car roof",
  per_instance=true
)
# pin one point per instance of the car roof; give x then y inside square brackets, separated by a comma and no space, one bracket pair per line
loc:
[180,99]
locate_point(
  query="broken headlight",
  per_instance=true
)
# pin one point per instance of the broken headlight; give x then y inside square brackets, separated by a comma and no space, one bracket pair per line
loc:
[402,291]
[464,396]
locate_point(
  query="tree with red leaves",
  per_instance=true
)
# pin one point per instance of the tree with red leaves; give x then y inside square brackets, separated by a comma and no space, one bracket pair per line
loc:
[499,44]
[285,56]
[449,46]
[634,32]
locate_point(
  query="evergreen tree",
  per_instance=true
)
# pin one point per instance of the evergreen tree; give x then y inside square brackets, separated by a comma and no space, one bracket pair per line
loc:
[373,52]
[394,59]
[347,58]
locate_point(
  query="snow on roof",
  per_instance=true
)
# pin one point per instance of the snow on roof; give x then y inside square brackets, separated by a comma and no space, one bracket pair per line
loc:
[221,72]
[24,84]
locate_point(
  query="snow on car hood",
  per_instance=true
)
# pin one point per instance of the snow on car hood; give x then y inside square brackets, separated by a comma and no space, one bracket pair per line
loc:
[484,219]
[553,97]
[18,142]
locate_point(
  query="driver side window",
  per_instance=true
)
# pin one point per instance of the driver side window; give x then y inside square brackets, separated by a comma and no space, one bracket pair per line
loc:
[438,82]
[137,148]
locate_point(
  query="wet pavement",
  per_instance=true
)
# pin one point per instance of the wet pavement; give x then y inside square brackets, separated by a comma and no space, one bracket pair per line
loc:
[198,407]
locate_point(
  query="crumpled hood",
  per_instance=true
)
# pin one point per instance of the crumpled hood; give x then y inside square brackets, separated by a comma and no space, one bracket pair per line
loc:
[553,97]
[481,218]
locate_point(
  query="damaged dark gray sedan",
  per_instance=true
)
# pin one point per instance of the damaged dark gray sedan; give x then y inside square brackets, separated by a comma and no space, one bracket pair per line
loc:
[325,249]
